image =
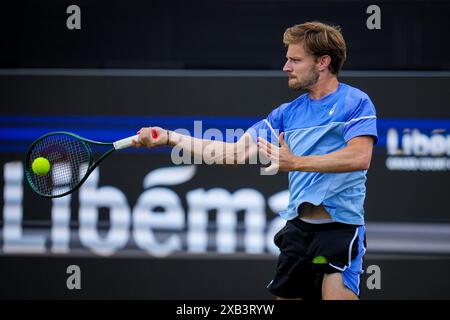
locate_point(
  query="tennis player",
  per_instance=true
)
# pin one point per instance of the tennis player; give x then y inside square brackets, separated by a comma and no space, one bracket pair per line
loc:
[326,141]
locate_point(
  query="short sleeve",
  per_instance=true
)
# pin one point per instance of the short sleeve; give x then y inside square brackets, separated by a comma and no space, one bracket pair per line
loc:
[271,127]
[362,121]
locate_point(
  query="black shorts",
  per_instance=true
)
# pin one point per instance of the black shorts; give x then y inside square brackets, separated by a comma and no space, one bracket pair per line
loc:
[307,251]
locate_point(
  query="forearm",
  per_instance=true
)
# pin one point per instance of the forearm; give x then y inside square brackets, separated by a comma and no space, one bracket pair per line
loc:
[207,151]
[344,160]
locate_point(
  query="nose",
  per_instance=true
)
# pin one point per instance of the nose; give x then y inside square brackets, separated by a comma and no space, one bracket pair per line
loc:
[287,67]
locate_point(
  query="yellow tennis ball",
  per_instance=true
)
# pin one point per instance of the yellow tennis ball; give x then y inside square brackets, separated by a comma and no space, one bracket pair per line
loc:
[320,260]
[41,166]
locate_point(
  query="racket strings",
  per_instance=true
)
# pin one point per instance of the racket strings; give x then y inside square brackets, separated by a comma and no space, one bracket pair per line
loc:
[69,160]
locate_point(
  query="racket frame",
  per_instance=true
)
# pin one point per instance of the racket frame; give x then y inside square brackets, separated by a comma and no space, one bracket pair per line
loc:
[91,166]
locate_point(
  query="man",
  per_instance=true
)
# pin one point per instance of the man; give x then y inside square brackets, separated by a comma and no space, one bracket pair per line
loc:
[326,145]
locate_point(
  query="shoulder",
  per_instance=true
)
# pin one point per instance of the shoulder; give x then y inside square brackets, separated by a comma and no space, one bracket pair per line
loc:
[356,99]
[288,106]
[355,94]
[357,104]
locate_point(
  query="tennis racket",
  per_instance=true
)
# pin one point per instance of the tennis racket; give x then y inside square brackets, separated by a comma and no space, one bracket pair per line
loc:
[71,161]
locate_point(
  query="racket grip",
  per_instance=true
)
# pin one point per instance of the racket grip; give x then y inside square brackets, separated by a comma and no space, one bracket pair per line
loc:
[125,143]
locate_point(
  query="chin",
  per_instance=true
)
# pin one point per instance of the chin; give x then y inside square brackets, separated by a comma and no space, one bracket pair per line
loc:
[294,85]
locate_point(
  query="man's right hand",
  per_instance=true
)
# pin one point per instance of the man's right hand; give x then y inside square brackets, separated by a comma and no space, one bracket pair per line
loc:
[151,137]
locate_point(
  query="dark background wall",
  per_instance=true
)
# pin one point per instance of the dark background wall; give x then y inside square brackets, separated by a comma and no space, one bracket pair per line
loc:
[237,34]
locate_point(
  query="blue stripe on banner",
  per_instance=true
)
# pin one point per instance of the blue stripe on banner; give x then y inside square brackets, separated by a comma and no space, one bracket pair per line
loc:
[17,132]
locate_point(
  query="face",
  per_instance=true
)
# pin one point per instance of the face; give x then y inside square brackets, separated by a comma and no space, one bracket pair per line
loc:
[301,68]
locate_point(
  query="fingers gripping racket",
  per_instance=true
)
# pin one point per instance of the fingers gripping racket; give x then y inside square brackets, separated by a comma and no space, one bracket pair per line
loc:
[69,161]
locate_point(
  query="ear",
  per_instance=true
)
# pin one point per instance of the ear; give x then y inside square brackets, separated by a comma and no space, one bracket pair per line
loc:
[324,62]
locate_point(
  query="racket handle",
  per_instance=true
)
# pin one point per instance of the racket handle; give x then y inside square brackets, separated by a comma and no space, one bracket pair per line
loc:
[125,143]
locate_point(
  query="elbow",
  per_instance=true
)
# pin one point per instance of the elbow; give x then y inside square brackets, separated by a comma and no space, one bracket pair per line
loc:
[365,166]
[364,162]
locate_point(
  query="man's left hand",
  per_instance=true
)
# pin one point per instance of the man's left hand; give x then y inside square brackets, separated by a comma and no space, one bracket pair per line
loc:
[281,157]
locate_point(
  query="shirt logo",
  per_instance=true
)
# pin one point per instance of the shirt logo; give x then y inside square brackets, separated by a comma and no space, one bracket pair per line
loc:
[332,109]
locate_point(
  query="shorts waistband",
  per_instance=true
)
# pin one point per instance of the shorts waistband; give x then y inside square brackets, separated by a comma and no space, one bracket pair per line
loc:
[323,226]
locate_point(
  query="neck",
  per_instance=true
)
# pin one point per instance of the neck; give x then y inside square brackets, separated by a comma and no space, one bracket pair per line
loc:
[325,85]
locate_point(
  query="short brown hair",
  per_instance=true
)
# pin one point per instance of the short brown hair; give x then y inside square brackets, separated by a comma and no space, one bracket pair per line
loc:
[319,39]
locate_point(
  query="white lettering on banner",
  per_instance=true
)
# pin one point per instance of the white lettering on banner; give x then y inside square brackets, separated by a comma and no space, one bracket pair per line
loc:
[277,203]
[413,150]
[13,238]
[199,202]
[418,164]
[253,203]
[227,205]
[91,199]
[158,219]
[60,232]
[145,218]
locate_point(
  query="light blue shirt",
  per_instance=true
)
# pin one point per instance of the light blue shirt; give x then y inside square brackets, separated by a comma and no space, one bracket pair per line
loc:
[317,127]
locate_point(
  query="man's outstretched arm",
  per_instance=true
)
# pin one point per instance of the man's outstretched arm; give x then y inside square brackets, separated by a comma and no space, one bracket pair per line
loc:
[210,151]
